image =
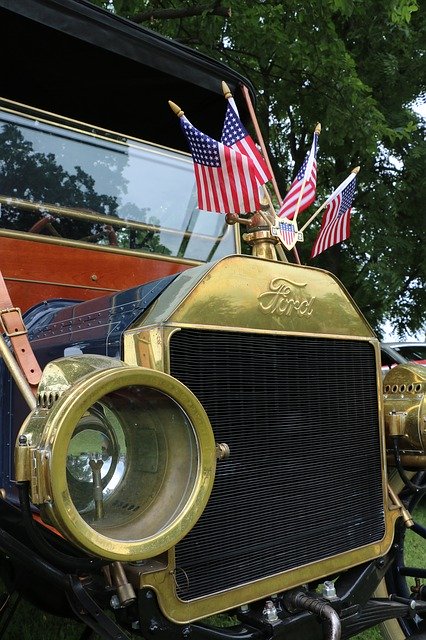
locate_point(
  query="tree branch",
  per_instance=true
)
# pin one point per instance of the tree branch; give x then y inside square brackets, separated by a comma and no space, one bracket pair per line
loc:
[182,12]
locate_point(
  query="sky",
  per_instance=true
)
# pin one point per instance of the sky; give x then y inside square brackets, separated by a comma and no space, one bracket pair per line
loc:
[420,336]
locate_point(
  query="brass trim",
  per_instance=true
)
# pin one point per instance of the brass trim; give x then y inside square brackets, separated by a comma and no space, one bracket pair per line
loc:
[163,582]
[81,214]
[57,122]
[17,375]
[62,242]
[406,515]
[60,284]
[200,295]
[214,327]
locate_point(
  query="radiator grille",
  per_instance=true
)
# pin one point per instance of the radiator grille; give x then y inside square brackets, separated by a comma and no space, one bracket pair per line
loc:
[304,478]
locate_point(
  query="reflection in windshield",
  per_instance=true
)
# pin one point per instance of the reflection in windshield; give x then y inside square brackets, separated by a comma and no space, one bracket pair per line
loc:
[105,190]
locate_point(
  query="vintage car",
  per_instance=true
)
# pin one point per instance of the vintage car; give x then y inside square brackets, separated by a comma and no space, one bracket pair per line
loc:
[195,440]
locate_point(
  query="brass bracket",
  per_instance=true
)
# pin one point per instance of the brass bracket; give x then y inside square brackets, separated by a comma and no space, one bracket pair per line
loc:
[406,515]
[396,422]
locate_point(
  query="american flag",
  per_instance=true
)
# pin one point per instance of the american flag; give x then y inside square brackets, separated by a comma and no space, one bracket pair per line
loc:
[235,135]
[335,224]
[308,168]
[226,179]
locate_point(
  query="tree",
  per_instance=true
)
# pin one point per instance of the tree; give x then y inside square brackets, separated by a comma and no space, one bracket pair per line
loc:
[356,67]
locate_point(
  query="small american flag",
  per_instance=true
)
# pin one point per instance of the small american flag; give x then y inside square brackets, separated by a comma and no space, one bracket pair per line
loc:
[308,168]
[226,179]
[235,135]
[335,224]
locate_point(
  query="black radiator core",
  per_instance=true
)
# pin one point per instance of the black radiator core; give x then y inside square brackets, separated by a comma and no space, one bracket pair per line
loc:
[304,479]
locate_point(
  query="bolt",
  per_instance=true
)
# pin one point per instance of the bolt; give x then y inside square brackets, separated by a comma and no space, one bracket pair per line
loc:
[22,441]
[114,602]
[244,608]
[270,611]
[329,590]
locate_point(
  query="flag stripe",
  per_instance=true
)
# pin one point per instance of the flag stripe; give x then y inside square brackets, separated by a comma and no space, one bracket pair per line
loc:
[335,224]
[308,169]
[236,137]
[225,178]
[233,186]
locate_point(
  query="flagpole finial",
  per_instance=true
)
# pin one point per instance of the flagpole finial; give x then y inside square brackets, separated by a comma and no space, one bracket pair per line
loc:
[318,128]
[176,109]
[356,170]
[226,90]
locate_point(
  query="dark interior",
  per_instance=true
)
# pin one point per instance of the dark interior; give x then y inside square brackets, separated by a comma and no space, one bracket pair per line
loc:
[73,58]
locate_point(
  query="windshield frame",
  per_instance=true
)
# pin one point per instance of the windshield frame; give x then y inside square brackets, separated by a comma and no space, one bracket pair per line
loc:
[111,138]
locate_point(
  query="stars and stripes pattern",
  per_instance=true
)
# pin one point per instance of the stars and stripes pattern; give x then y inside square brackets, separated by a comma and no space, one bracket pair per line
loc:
[226,179]
[307,188]
[235,135]
[288,233]
[335,224]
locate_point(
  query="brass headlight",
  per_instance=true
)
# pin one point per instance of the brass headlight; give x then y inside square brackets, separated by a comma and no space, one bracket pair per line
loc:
[405,412]
[120,459]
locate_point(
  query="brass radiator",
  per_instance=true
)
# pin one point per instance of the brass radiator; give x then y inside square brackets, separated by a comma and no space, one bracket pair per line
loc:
[300,415]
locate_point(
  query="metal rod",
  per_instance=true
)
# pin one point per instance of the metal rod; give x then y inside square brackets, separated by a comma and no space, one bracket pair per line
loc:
[101,218]
[260,139]
[17,374]
[266,157]
[96,466]
[408,520]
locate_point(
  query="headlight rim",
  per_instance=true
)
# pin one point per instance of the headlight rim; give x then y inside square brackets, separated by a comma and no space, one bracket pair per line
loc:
[59,429]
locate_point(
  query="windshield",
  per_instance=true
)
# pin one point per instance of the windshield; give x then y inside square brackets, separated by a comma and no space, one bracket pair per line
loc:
[78,183]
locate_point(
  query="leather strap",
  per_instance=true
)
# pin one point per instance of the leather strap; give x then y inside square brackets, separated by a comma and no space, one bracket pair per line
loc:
[13,326]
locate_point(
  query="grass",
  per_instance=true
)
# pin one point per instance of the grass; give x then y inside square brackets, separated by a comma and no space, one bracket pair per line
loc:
[30,623]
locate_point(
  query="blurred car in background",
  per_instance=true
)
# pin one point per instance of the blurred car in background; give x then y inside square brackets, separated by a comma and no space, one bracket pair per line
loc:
[412,351]
[390,357]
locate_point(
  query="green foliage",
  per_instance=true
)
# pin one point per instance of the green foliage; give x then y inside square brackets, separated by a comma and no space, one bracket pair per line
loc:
[357,67]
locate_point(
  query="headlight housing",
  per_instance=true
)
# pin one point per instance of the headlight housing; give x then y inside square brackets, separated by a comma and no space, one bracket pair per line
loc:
[405,413]
[121,459]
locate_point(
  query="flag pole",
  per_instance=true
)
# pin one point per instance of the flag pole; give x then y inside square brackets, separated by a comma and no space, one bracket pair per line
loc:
[260,138]
[266,158]
[296,212]
[318,211]
[176,109]
[228,95]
